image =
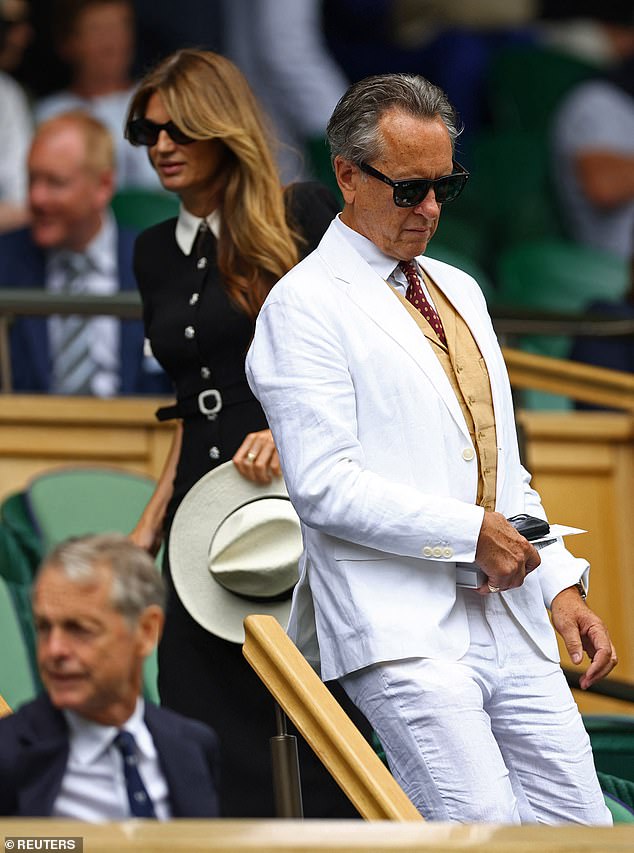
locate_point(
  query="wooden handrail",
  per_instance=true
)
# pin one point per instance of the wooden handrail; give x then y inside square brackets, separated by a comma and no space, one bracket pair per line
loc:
[323,723]
[613,389]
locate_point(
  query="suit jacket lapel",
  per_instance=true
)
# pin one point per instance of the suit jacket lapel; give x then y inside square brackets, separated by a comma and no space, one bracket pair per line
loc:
[374,297]
[181,762]
[45,754]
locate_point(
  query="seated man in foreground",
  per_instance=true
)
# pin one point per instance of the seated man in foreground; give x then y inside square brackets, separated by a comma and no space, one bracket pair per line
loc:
[90,747]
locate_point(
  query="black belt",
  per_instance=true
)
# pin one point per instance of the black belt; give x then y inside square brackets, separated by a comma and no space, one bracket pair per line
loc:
[208,402]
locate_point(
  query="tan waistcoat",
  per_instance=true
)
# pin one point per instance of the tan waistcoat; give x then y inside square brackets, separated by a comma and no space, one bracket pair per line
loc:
[464,366]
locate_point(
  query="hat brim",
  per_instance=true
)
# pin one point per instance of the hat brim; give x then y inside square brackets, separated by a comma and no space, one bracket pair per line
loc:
[201,512]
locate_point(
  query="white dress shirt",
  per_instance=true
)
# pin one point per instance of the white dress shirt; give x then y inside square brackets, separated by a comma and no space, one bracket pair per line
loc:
[93,788]
[381,263]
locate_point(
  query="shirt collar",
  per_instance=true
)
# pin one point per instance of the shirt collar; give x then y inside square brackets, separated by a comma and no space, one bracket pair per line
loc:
[88,740]
[187,228]
[101,251]
[381,263]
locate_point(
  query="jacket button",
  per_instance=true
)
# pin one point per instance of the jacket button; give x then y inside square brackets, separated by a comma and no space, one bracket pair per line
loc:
[190,332]
[193,299]
[468,454]
[202,263]
[427,551]
[437,551]
[205,372]
[214,452]
[447,552]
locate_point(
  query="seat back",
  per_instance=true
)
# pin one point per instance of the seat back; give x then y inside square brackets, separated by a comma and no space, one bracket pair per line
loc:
[16,673]
[138,208]
[557,275]
[442,252]
[526,83]
[77,501]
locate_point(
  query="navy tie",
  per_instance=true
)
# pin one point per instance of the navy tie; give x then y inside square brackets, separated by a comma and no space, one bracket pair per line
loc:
[138,797]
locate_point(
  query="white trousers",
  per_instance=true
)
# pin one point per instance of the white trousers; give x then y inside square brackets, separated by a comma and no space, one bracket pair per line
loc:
[495,736]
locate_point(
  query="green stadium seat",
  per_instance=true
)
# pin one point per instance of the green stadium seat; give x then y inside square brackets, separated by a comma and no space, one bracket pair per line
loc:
[612,738]
[510,191]
[71,501]
[15,516]
[78,501]
[526,83]
[17,679]
[138,208]
[441,252]
[559,276]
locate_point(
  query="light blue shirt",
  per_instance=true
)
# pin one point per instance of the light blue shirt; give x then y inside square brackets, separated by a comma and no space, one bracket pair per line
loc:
[93,787]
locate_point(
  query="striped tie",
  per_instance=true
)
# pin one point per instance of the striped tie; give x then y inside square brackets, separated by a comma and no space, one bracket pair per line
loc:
[73,365]
[416,295]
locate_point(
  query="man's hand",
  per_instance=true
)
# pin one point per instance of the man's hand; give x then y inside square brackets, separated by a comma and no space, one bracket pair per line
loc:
[582,630]
[503,554]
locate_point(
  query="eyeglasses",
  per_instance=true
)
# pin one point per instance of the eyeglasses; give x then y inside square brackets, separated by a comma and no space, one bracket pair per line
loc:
[142,131]
[411,193]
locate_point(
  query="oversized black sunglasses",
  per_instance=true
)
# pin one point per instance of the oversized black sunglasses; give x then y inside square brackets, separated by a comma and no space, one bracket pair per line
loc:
[142,131]
[411,193]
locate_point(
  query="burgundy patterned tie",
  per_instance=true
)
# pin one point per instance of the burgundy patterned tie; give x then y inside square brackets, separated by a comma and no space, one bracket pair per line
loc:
[416,295]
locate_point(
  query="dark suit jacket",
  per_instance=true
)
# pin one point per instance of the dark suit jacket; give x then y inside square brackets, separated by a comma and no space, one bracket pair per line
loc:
[34,751]
[23,265]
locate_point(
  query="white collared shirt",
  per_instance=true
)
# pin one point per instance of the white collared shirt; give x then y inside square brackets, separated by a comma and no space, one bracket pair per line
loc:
[102,279]
[187,227]
[381,263]
[93,787]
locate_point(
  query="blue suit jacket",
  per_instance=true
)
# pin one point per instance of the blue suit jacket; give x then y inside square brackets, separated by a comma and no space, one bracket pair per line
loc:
[34,751]
[23,265]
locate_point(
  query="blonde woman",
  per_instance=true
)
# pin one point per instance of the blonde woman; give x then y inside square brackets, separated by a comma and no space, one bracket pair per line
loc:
[203,277]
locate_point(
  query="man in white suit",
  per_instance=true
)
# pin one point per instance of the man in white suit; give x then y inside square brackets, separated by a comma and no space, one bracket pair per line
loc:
[390,406]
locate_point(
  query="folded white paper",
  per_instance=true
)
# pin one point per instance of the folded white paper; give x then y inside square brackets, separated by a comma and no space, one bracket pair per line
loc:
[471,576]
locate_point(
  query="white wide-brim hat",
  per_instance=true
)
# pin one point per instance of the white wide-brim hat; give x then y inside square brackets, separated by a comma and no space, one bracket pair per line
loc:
[234,550]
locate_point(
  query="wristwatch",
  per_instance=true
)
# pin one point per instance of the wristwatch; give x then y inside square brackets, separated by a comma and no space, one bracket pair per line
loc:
[581,589]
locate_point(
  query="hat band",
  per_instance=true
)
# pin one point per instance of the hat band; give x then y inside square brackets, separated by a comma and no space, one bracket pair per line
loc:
[281,596]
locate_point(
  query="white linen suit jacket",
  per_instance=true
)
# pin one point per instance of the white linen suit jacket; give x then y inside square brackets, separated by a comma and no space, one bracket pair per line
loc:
[380,466]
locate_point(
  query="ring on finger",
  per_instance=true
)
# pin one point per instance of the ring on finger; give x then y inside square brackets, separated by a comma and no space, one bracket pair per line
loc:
[493,588]
[251,456]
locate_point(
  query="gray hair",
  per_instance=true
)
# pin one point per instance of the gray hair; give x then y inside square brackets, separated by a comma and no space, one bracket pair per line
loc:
[136,581]
[353,130]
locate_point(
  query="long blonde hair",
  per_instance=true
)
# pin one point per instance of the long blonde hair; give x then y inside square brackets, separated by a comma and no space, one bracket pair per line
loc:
[207,97]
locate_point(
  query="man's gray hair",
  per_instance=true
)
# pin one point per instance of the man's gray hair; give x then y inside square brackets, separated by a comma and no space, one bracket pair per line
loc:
[353,130]
[136,581]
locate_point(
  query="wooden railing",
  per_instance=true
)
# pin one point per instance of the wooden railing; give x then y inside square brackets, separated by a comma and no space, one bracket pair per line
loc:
[323,723]
[610,388]
[316,836]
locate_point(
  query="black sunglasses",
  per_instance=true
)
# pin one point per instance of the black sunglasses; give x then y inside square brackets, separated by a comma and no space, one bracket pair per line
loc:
[142,131]
[411,193]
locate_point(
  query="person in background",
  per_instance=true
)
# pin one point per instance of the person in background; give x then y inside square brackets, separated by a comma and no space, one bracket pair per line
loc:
[96,39]
[74,246]
[280,48]
[203,277]
[16,124]
[593,160]
[89,747]
[390,406]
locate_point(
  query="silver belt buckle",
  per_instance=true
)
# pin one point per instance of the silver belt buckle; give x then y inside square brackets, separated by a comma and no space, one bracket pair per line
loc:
[210,410]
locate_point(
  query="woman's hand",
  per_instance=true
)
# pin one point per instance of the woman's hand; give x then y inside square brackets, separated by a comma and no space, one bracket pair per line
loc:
[147,537]
[257,459]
